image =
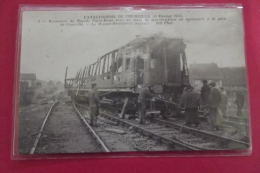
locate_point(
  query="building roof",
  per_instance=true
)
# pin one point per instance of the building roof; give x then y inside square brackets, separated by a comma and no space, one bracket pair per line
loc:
[207,71]
[234,76]
[27,76]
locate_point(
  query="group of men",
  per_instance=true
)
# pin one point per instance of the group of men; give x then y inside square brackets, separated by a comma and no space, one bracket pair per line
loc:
[211,99]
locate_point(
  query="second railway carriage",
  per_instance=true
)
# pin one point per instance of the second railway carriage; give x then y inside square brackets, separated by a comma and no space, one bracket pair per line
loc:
[159,62]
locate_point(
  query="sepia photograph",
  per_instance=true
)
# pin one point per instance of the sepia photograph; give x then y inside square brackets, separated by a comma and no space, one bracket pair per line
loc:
[131,80]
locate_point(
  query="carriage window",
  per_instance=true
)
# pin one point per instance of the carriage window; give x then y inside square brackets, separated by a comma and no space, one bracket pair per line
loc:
[86,74]
[98,69]
[120,69]
[181,63]
[79,73]
[145,49]
[107,63]
[94,69]
[137,51]
[89,70]
[101,65]
[139,63]
[186,69]
[153,63]
[154,54]
[84,71]
[119,64]
[127,63]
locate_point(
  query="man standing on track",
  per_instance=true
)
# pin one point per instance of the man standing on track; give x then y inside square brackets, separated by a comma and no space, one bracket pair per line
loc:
[205,90]
[143,96]
[190,101]
[213,102]
[93,104]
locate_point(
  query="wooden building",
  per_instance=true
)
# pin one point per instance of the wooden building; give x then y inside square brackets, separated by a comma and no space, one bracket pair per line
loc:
[28,79]
[205,71]
[234,77]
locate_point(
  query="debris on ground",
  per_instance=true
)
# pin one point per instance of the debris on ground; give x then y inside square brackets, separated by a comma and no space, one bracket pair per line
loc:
[115,131]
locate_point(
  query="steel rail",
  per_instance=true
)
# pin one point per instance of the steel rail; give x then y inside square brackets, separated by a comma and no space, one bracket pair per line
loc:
[231,123]
[148,132]
[91,130]
[199,132]
[42,127]
[237,119]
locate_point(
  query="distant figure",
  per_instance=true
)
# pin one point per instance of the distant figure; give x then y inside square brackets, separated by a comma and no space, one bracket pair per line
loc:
[240,101]
[93,104]
[214,102]
[190,102]
[143,96]
[205,90]
[224,101]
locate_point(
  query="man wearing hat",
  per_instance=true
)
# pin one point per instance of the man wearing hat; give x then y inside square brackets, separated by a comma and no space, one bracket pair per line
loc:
[214,102]
[93,104]
[143,96]
[190,101]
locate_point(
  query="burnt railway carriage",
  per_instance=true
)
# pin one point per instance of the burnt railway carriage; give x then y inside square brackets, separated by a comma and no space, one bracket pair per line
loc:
[156,61]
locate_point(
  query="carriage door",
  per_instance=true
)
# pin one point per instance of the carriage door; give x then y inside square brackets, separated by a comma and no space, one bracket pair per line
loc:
[152,67]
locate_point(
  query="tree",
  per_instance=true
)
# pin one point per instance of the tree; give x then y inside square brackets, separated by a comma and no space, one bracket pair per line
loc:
[50,83]
[59,84]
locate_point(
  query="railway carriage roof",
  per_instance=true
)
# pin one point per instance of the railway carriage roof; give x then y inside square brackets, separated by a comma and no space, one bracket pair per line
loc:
[138,41]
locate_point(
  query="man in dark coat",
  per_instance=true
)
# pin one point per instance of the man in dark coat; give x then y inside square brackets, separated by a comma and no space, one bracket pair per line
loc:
[214,102]
[205,90]
[93,104]
[143,96]
[240,101]
[190,101]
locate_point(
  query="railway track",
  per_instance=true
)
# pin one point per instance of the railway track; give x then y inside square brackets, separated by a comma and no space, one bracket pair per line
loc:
[179,136]
[92,131]
[236,119]
[144,131]
[205,134]
[238,122]
[54,134]
[42,127]
[235,124]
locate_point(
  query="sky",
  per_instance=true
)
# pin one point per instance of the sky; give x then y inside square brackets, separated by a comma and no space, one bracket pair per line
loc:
[48,48]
